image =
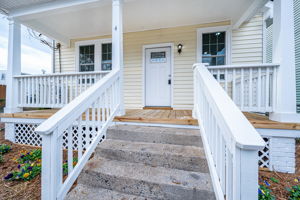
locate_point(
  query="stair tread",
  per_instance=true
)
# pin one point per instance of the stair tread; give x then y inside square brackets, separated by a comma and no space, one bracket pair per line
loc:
[92,193]
[159,175]
[154,148]
[153,129]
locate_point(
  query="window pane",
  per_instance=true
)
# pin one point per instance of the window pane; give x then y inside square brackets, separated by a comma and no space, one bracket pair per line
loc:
[221,37]
[205,38]
[221,49]
[221,60]
[106,57]
[86,58]
[213,49]
[205,49]
[213,38]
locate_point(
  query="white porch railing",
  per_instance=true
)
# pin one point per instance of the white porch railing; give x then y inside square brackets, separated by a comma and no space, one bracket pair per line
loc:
[54,90]
[231,143]
[88,116]
[251,87]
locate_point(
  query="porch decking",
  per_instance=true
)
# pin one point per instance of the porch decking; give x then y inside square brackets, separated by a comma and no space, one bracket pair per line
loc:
[177,117]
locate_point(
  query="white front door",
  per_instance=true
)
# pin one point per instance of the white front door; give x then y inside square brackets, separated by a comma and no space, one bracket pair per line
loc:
[158,77]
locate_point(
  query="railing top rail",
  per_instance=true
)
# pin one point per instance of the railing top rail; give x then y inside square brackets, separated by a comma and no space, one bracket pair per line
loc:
[78,105]
[242,132]
[258,65]
[62,74]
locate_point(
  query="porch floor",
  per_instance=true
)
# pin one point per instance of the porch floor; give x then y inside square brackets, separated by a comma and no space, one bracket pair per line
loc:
[177,117]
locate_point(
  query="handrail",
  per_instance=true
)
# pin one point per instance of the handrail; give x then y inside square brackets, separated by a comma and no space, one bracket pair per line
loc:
[230,141]
[85,119]
[235,66]
[61,74]
[79,104]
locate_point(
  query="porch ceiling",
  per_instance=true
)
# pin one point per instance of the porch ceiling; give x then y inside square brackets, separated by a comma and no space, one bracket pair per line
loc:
[93,17]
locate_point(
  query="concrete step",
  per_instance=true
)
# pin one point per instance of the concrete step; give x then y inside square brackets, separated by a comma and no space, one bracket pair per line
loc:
[188,158]
[178,136]
[84,192]
[146,181]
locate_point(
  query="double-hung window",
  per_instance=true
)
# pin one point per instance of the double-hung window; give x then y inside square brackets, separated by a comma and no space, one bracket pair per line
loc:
[94,55]
[213,45]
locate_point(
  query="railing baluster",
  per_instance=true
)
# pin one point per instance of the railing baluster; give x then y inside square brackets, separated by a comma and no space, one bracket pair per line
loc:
[70,150]
[250,104]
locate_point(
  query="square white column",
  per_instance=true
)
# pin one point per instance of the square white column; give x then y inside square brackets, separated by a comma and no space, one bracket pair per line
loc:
[117,45]
[284,54]
[13,67]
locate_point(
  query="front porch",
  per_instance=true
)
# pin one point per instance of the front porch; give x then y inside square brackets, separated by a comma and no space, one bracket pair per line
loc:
[154,116]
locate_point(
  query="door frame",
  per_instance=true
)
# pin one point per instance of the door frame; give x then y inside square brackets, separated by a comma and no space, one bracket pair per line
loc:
[153,46]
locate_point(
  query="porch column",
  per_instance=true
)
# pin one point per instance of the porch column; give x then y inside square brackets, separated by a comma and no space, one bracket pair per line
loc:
[13,67]
[284,54]
[117,45]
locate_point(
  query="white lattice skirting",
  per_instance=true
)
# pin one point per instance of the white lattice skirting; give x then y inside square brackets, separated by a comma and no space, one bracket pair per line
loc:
[278,154]
[21,133]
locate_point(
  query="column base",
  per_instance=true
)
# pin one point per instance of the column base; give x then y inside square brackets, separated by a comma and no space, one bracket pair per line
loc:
[285,117]
[12,110]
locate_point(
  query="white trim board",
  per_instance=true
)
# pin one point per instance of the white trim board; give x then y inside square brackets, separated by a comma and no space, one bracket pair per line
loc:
[161,45]
[97,52]
[226,29]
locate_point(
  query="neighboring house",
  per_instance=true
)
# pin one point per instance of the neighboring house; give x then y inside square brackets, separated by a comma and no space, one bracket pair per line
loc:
[217,58]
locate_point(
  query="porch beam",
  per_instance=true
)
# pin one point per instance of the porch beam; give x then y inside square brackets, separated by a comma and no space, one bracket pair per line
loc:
[35,9]
[117,45]
[284,54]
[13,67]
[250,12]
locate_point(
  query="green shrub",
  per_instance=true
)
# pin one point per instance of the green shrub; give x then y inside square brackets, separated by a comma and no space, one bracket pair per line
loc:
[4,148]
[1,159]
[294,192]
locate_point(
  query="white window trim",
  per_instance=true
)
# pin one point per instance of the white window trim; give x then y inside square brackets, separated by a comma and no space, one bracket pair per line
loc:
[226,29]
[98,51]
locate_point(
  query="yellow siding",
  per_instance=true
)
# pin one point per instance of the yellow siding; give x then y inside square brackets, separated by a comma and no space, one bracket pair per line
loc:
[247,42]
[133,58]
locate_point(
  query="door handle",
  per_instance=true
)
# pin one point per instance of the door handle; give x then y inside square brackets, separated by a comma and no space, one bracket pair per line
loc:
[169,81]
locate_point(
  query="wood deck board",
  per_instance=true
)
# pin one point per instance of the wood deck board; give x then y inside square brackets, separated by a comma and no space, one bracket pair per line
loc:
[179,117]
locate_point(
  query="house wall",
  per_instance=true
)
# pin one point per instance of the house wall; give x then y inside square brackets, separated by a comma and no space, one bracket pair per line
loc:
[246,48]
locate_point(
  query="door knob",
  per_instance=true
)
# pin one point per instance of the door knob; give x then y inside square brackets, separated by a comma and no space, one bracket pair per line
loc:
[169,81]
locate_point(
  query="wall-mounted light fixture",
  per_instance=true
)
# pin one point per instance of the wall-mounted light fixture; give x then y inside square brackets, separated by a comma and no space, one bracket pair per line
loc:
[179,48]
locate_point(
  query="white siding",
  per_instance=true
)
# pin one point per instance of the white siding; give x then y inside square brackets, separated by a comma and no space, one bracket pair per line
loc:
[247,42]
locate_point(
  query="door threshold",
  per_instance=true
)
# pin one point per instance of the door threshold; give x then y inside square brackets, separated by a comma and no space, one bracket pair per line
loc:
[157,108]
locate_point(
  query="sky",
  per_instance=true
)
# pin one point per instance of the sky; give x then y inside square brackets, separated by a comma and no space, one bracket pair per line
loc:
[35,55]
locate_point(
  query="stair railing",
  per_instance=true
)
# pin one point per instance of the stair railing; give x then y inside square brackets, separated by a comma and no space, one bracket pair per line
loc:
[231,143]
[84,122]
[252,87]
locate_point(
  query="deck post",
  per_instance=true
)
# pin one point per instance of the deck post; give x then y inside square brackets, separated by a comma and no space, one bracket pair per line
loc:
[284,54]
[13,67]
[117,46]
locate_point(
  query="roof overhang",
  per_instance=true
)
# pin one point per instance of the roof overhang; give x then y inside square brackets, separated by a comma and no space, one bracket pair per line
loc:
[69,19]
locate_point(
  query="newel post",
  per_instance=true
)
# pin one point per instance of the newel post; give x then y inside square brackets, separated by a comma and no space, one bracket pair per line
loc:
[284,54]
[13,67]
[117,46]
[246,178]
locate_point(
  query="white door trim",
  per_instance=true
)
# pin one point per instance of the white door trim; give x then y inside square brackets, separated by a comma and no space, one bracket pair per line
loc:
[160,45]
[228,31]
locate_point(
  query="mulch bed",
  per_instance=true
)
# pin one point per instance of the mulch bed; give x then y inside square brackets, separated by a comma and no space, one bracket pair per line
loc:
[279,189]
[16,190]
